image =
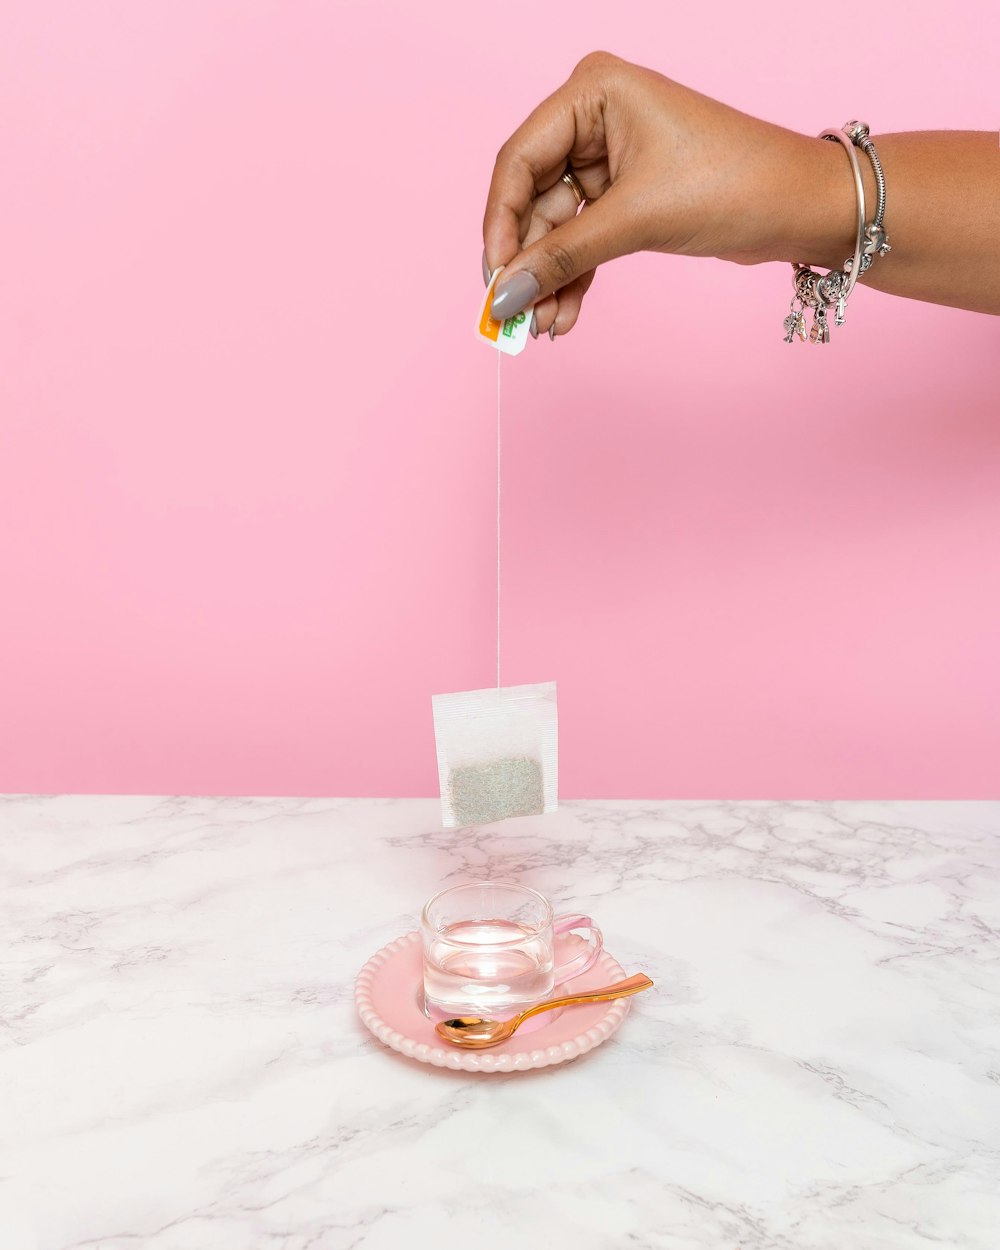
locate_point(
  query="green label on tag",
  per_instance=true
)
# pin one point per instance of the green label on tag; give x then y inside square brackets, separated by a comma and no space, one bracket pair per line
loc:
[511,322]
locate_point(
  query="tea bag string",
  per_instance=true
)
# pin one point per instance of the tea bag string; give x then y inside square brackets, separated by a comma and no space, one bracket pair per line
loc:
[499,359]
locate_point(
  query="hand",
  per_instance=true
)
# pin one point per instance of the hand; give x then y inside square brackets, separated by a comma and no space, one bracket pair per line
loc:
[664,169]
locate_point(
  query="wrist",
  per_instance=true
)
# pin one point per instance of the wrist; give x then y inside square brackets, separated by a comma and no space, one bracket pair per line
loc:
[819,221]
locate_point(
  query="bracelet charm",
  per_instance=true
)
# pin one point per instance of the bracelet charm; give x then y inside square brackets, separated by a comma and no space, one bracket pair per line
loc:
[795,322]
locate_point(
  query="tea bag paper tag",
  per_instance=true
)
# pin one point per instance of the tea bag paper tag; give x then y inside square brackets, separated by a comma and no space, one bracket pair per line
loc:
[497,753]
[507,336]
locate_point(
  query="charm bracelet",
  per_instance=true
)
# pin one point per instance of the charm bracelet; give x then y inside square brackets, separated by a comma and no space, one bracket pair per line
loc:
[820,292]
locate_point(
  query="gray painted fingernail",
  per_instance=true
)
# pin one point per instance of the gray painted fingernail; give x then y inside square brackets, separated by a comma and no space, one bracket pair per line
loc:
[486,269]
[512,294]
[552,332]
[533,327]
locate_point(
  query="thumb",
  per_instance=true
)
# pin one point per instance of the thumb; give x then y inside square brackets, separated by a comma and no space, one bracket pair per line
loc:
[599,232]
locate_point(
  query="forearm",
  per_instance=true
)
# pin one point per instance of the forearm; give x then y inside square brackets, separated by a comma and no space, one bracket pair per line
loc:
[942,215]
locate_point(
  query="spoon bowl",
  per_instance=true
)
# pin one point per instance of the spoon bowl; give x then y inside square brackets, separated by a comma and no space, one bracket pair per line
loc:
[475,1033]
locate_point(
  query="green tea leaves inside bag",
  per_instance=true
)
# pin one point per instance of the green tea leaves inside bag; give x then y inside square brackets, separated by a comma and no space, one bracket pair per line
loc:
[497,753]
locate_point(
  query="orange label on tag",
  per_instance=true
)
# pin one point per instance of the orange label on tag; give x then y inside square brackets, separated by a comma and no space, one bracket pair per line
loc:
[489,327]
[507,336]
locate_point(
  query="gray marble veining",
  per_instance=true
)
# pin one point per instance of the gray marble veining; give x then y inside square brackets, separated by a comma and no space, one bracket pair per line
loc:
[181,1066]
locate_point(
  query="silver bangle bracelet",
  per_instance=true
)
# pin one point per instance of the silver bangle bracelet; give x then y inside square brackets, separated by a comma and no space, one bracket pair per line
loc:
[876,239]
[821,291]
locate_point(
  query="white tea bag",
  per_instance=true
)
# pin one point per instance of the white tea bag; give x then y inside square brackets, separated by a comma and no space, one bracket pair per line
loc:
[497,753]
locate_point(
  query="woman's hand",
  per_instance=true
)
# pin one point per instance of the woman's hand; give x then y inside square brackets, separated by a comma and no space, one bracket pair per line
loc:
[668,170]
[664,169]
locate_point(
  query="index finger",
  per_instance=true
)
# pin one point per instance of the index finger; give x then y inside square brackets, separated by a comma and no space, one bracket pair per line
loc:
[529,162]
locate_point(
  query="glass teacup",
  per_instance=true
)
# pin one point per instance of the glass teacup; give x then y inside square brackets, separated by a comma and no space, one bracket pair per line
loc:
[491,949]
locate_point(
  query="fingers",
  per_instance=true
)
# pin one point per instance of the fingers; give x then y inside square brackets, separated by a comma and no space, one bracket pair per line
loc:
[545,314]
[564,308]
[601,232]
[552,208]
[531,161]
[531,224]
[570,301]
[555,314]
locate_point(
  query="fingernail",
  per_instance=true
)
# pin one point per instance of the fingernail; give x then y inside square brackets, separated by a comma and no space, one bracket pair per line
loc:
[552,332]
[486,269]
[533,327]
[512,294]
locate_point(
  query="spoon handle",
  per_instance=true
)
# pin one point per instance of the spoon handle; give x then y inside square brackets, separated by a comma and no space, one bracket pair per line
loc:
[620,989]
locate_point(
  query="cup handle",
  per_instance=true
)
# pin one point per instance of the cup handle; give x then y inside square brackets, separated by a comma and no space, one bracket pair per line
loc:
[586,959]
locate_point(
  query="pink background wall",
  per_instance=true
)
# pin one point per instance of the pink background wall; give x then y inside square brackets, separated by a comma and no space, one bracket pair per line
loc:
[246,504]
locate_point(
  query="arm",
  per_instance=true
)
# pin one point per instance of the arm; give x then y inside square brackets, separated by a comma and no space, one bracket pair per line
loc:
[942,216]
[667,169]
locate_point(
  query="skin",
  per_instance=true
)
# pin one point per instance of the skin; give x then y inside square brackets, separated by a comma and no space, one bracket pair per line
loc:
[666,169]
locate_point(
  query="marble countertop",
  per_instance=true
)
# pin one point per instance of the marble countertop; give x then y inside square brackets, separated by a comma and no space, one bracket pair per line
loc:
[181,1065]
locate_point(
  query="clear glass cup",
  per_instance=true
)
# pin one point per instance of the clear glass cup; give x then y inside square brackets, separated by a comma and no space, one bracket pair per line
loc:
[493,948]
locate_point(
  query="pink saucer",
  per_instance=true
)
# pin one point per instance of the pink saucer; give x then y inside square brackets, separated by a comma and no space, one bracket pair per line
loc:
[387,997]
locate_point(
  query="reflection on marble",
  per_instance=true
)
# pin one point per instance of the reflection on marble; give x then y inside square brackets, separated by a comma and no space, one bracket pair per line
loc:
[181,1066]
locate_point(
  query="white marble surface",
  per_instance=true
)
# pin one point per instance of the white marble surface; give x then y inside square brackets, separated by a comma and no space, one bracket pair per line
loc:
[181,1066]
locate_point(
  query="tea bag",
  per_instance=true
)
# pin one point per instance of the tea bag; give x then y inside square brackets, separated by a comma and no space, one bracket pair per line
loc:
[497,749]
[497,753]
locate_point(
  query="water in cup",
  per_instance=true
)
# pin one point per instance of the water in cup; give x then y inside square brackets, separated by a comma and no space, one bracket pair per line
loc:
[487,967]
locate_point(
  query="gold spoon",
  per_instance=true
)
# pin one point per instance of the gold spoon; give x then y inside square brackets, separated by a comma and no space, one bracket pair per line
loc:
[476,1034]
